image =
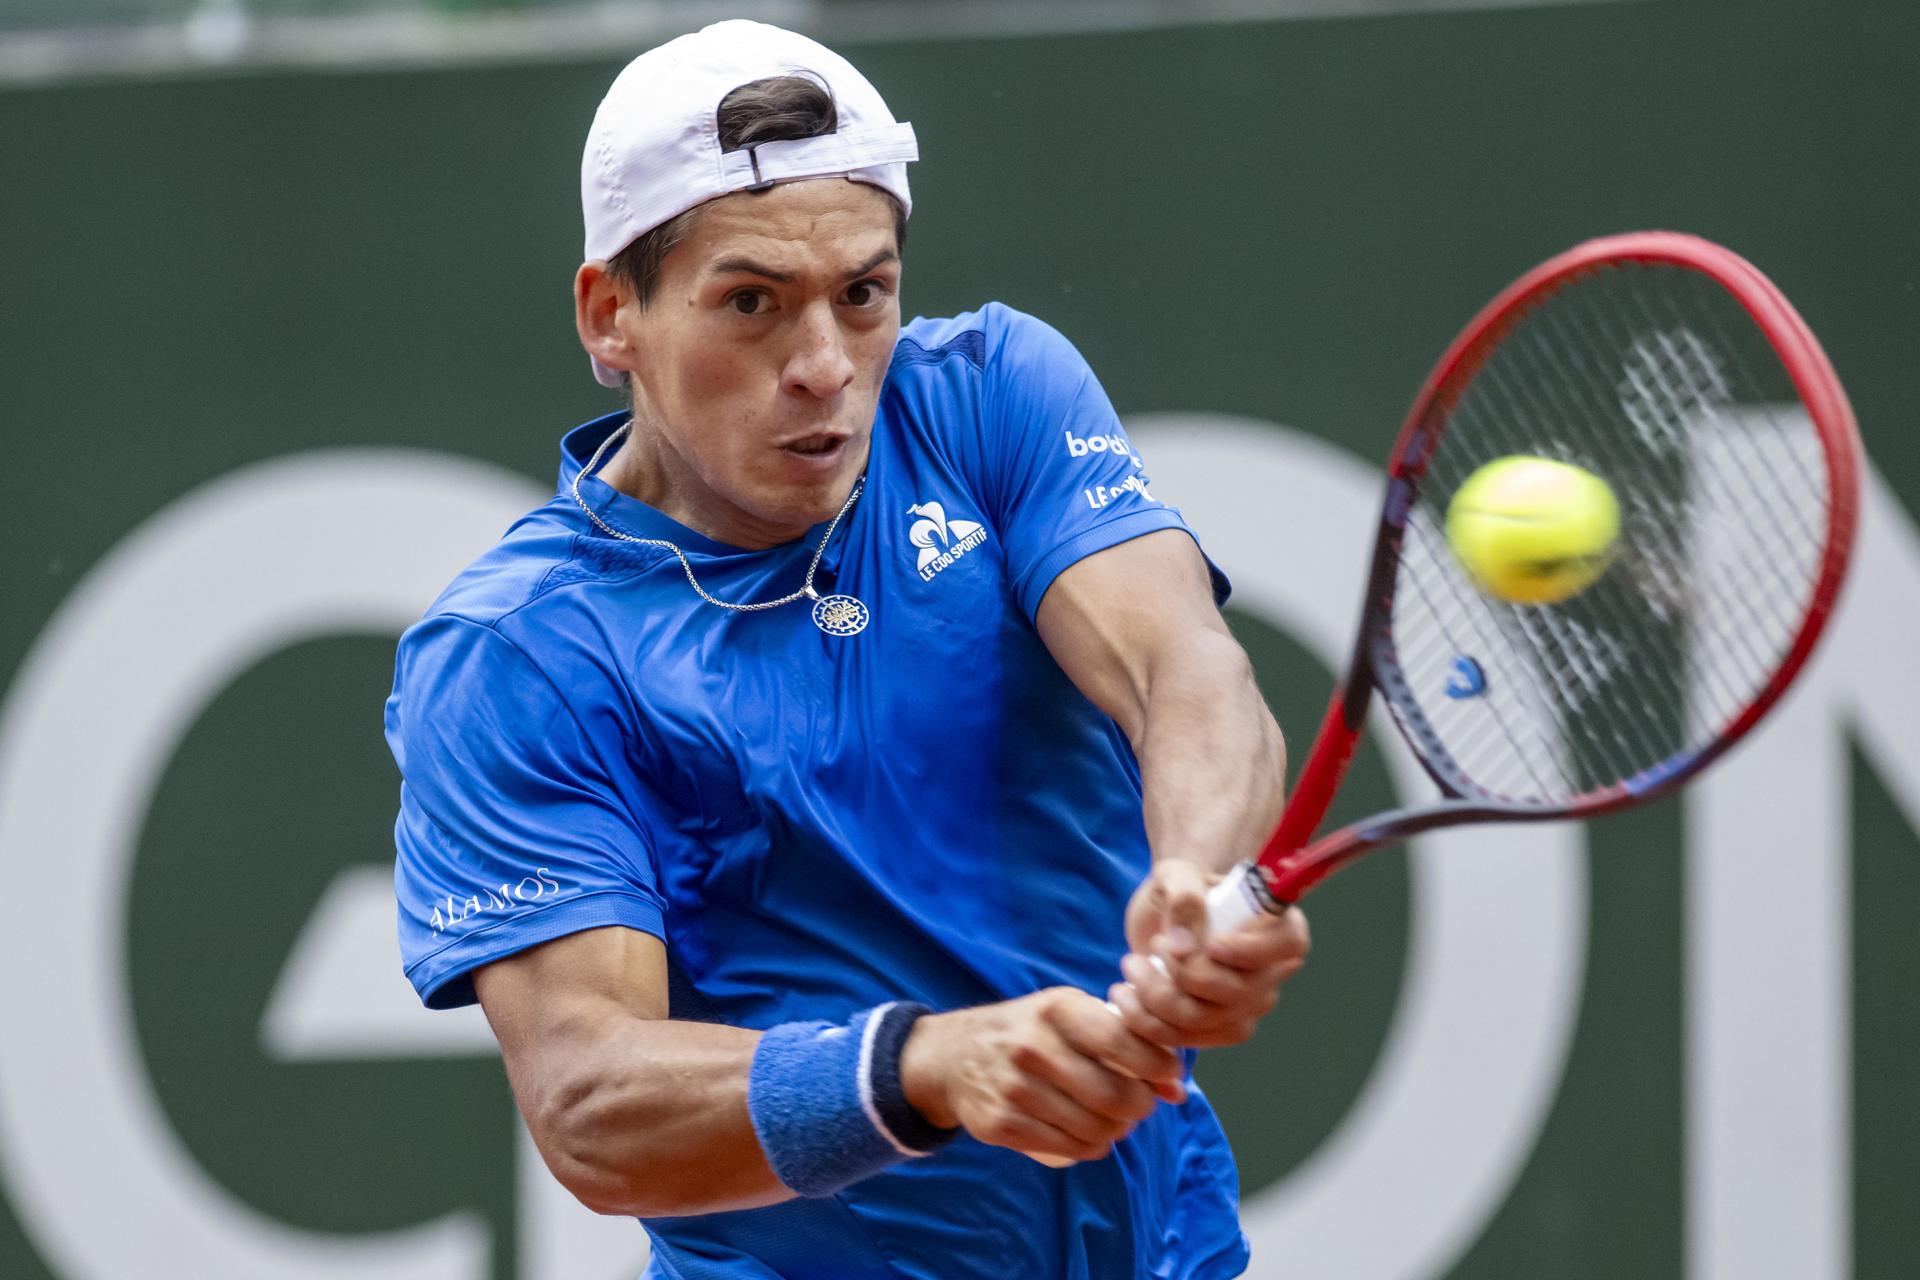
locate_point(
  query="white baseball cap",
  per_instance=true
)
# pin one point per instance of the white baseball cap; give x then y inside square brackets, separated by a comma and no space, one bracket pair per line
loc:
[654,150]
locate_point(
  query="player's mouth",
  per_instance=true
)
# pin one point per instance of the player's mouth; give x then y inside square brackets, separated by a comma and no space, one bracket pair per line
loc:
[823,448]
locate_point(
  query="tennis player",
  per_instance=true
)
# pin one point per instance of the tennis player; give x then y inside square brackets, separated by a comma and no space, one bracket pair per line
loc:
[788,785]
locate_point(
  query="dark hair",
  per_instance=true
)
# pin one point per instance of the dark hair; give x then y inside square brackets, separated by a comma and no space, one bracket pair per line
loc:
[771,110]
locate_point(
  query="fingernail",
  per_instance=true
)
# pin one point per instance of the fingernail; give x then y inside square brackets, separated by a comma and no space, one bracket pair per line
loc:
[1159,966]
[1175,941]
[1131,966]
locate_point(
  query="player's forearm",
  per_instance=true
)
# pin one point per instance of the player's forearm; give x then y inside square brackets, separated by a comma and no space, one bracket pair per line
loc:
[1212,761]
[649,1118]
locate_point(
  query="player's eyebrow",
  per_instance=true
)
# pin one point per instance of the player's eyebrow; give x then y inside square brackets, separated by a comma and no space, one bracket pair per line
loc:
[747,266]
[885,255]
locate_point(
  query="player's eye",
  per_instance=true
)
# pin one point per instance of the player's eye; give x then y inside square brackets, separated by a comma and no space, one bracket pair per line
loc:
[867,293]
[748,302]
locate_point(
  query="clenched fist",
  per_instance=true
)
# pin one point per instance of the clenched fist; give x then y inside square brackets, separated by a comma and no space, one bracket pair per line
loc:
[1053,1075]
[1184,989]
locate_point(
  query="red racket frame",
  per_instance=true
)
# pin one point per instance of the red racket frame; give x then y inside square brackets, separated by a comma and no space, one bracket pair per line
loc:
[1292,862]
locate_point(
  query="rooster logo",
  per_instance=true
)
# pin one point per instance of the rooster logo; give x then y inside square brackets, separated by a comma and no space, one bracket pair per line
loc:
[933,533]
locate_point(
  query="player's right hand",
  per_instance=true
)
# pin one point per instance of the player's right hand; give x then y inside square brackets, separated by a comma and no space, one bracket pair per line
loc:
[1053,1075]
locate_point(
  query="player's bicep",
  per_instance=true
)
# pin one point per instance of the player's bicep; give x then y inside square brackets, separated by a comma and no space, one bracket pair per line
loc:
[1114,618]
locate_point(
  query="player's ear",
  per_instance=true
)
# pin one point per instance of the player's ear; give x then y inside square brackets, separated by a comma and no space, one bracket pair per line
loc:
[597,298]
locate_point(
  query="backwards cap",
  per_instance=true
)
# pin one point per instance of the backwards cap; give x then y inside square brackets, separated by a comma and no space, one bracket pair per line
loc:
[654,150]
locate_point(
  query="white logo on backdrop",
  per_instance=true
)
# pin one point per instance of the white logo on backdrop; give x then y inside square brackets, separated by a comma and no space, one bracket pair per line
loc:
[1470,1065]
[366,539]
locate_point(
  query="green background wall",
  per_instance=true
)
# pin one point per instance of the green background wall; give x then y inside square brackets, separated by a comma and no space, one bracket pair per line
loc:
[1281,220]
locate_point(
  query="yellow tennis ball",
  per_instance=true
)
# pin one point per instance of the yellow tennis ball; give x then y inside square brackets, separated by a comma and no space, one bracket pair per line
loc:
[1531,530]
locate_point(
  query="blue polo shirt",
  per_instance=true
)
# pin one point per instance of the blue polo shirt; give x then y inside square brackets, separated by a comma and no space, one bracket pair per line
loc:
[921,808]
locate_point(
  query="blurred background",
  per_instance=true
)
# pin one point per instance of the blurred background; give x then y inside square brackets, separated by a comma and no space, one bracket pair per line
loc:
[284,324]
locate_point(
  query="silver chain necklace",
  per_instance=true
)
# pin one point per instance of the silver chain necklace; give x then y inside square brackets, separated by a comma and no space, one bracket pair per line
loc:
[837,615]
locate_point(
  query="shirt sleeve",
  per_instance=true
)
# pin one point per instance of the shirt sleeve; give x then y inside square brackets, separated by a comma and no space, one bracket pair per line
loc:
[511,830]
[1063,480]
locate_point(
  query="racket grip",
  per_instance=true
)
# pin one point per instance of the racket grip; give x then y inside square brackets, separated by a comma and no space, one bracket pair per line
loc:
[1241,896]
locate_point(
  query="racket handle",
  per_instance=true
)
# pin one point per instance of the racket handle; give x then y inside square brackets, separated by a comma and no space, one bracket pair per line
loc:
[1242,896]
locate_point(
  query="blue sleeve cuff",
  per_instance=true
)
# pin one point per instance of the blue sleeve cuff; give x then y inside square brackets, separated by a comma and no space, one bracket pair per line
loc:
[444,979]
[1111,533]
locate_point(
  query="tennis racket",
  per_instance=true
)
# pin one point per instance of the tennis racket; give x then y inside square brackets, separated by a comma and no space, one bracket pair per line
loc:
[1676,372]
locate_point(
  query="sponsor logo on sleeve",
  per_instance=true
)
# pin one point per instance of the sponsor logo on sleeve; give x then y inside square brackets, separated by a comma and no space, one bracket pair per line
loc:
[938,540]
[1100,495]
[509,895]
[1116,443]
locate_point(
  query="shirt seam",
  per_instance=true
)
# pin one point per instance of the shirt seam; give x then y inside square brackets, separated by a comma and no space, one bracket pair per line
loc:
[546,586]
[541,588]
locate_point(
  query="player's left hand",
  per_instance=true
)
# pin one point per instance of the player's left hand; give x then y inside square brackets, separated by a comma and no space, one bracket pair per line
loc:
[1184,989]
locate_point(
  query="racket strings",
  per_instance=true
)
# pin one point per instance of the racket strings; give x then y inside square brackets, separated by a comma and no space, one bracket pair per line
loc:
[1715,629]
[1792,505]
[1500,725]
[1515,713]
[1699,390]
[1664,534]
[1534,747]
[1786,539]
[1576,659]
[1795,503]
[1796,552]
[1653,378]
[1565,632]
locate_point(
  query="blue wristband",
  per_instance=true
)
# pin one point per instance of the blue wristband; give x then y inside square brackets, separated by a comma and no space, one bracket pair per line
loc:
[827,1104]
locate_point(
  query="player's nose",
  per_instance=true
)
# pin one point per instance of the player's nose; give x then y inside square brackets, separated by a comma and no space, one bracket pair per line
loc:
[820,364]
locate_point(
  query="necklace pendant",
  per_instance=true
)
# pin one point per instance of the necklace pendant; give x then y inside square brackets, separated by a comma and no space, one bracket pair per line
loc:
[839,615]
